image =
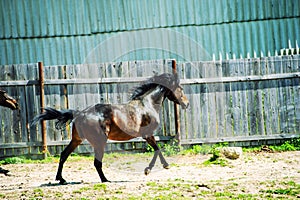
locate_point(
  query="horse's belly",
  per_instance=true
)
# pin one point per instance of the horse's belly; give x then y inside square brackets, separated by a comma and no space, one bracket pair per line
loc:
[117,134]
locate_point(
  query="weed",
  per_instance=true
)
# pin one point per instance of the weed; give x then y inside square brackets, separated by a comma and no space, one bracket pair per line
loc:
[59,194]
[292,189]
[197,149]
[224,194]
[215,159]
[171,148]
[13,160]
[151,184]
[38,193]
[100,186]
[288,145]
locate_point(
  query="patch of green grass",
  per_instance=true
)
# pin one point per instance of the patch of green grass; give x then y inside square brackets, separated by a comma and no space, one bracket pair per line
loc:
[100,186]
[197,149]
[83,189]
[38,193]
[59,194]
[289,145]
[224,194]
[171,148]
[292,189]
[97,187]
[216,159]
[13,160]
[151,184]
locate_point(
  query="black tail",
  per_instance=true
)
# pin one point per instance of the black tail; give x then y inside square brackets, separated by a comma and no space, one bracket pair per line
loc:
[63,117]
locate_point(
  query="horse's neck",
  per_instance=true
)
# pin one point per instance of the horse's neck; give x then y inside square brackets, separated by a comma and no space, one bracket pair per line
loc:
[154,99]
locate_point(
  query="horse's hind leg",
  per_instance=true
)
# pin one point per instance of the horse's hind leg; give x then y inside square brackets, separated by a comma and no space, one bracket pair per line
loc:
[98,166]
[99,145]
[151,141]
[76,140]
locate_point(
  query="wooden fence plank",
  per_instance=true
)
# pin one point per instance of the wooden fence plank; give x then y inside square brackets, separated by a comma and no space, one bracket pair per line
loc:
[228,102]
[273,108]
[220,103]
[296,92]
[259,100]
[211,72]
[281,97]
[235,108]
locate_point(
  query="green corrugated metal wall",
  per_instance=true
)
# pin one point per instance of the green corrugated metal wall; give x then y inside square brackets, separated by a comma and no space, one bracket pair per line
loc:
[70,32]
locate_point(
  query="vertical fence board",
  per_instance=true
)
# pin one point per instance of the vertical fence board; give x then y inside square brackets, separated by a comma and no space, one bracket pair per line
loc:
[228,101]
[220,95]
[210,73]
[235,109]
[290,106]
[259,100]
[296,92]
[274,98]
[281,96]
[203,102]
[242,71]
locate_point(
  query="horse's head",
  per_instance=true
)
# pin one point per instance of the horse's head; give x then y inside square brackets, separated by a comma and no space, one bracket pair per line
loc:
[8,101]
[169,87]
[175,92]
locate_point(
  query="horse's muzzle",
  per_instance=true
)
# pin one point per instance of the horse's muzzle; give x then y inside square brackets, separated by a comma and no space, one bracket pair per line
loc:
[185,105]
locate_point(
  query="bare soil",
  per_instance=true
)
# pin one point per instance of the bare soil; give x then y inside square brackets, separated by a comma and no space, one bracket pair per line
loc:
[253,176]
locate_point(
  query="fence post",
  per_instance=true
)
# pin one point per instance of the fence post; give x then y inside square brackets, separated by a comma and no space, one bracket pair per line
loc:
[176,111]
[42,102]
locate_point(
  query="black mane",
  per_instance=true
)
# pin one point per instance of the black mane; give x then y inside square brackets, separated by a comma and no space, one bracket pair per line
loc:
[166,80]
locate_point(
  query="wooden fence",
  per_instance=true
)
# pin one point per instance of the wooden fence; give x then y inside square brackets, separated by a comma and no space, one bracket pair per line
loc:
[242,100]
[233,100]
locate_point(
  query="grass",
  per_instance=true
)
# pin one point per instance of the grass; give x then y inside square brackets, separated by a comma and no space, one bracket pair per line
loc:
[290,188]
[288,145]
[100,187]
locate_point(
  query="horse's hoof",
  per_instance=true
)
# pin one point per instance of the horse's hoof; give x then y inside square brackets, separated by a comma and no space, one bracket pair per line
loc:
[147,171]
[105,181]
[166,166]
[63,182]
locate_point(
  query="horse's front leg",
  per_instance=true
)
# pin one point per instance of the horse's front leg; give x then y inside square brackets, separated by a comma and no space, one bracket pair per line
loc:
[151,141]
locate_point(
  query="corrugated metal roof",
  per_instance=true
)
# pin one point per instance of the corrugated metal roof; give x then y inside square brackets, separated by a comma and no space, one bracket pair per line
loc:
[65,32]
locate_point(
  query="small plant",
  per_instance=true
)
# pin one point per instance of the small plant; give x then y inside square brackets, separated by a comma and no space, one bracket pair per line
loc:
[38,193]
[286,146]
[171,148]
[100,186]
[197,149]
[215,159]
[13,160]
[292,189]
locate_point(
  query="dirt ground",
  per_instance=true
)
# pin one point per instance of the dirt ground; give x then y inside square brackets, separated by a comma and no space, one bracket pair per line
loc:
[253,176]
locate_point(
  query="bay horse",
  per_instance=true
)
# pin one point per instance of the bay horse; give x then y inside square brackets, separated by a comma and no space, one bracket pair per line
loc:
[8,101]
[137,118]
